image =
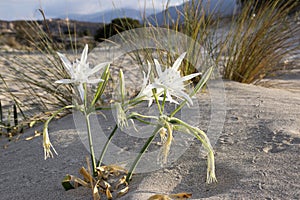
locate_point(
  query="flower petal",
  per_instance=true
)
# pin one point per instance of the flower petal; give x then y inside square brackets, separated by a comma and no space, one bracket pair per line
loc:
[158,67]
[67,64]
[178,61]
[65,81]
[47,145]
[190,76]
[97,68]
[93,81]
[181,94]
[84,54]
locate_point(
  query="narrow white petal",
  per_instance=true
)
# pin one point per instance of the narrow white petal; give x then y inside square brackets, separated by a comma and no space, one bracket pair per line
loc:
[65,81]
[157,85]
[177,63]
[97,68]
[170,99]
[188,77]
[84,54]
[149,71]
[66,63]
[150,102]
[158,68]
[181,94]
[93,81]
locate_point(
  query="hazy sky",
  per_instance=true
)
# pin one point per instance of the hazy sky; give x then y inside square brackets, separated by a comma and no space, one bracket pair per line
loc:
[27,9]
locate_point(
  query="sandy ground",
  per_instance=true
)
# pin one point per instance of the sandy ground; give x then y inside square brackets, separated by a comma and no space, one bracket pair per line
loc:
[257,153]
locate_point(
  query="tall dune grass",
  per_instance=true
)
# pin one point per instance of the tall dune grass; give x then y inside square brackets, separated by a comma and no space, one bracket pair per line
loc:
[31,75]
[247,46]
[258,40]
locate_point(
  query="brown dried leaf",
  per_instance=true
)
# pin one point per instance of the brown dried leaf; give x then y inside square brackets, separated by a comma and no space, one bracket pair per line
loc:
[96,195]
[108,194]
[179,196]
[114,169]
[159,197]
[121,181]
[36,134]
[107,185]
[123,191]
[87,176]
[32,123]
[102,172]
[70,182]
[182,195]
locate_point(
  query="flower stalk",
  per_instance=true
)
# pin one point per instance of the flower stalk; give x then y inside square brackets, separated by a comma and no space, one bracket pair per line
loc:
[143,150]
[88,127]
[202,137]
[46,141]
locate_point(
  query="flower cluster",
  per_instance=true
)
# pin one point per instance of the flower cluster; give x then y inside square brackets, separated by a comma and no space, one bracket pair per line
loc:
[168,83]
[159,86]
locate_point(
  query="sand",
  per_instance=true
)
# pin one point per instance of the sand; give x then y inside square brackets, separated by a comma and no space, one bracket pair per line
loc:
[257,153]
[256,150]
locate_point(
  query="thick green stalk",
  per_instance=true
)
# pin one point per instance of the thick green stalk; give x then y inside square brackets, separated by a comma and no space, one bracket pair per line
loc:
[143,150]
[106,145]
[202,137]
[88,126]
[157,102]
[204,141]
[164,101]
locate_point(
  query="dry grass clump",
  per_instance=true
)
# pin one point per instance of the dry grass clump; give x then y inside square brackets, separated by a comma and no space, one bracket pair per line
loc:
[28,77]
[248,46]
[259,38]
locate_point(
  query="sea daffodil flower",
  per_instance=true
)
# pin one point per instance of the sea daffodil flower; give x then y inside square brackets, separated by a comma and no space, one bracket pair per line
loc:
[169,81]
[80,71]
[47,145]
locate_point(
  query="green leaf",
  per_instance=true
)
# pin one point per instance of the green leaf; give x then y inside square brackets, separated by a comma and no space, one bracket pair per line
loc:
[122,86]
[203,81]
[101,85]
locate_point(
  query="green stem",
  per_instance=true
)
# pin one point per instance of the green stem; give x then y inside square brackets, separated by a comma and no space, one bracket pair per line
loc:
[157,102]
[138,158]
[56,113]
[135,114]
[196,132]
[106,146]
[164,101]
[88,126]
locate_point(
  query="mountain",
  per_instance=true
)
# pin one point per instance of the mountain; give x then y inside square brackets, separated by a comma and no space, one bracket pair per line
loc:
[107,16]
[218,8]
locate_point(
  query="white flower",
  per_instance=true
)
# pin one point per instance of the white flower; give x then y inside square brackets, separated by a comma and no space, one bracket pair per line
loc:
[170,81]
[80,71]
[47,145]
[121,116]
[146,91]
